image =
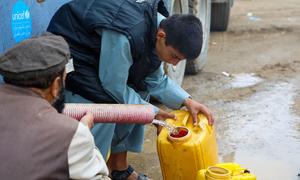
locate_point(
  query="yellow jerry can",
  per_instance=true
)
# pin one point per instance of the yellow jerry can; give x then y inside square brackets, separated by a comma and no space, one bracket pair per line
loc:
[225,171]
[181,156]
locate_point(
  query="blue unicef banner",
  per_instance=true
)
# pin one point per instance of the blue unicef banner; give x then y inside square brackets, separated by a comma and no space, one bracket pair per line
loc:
[21,19]
[21,23]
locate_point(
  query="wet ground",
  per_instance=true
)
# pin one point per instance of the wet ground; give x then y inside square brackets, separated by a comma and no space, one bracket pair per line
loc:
[252,84]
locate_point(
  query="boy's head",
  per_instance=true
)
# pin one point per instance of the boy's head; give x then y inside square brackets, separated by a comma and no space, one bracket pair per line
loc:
[179,37]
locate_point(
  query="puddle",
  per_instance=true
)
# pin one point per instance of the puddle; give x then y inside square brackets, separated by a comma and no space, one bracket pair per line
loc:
[261,132]
[243,80]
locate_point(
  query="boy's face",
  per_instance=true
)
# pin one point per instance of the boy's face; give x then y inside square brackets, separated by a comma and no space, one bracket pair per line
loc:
[166,53]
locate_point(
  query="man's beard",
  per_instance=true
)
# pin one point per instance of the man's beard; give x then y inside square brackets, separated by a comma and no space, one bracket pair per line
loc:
[59,102]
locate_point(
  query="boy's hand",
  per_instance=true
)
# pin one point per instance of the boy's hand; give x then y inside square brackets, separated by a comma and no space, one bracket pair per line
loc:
[194,108]
[162,115]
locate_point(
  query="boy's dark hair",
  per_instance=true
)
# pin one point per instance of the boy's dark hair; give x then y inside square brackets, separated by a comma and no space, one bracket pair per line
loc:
[37,79]
[184,33]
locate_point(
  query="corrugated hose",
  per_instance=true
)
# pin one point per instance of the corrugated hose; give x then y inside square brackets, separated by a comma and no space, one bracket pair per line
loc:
[112,113]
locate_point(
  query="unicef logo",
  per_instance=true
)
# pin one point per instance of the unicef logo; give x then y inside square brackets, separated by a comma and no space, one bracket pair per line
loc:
[21,23]
[27,15]
[21,15]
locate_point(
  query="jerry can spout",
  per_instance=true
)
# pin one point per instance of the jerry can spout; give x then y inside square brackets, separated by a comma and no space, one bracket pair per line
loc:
[181,134]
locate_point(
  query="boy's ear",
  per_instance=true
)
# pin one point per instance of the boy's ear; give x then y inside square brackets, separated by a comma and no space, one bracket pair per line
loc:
[161,34]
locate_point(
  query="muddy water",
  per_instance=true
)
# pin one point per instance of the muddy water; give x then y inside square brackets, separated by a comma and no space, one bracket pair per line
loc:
[261,132]
[257,128]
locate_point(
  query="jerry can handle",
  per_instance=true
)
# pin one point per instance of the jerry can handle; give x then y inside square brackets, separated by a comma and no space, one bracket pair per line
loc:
[188,122]
[204,126]
[186,119]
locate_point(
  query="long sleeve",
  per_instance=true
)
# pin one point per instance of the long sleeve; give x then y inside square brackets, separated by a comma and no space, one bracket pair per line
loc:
[85,160]
[114,67]
[165,89]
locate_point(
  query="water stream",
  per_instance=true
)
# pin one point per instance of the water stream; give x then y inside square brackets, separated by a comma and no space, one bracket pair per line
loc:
[170,127]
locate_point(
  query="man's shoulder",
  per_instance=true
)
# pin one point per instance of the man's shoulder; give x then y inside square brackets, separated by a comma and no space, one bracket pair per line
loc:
[61,120]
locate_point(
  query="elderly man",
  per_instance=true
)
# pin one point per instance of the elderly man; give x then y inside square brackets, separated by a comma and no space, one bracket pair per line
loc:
[37,142]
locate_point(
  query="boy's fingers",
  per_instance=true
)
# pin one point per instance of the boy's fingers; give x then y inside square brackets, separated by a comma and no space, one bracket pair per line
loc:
[195,118]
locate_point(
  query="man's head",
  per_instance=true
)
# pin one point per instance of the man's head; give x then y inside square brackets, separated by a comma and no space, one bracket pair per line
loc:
[39,64]
[179,37]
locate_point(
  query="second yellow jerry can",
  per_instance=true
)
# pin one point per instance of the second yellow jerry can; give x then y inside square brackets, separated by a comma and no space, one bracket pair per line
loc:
[225,171]
[181,156]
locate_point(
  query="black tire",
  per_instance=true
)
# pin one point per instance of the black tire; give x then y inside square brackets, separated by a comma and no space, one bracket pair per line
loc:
[193,66]
[220,13]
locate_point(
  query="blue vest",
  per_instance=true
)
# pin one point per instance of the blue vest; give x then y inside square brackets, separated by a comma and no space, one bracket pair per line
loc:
[80,22]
